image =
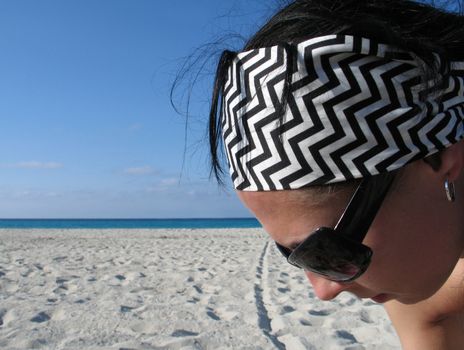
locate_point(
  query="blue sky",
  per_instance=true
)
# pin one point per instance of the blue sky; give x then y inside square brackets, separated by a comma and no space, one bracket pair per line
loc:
[86,125]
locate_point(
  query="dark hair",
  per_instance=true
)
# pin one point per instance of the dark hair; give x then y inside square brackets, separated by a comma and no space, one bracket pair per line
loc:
[412,26]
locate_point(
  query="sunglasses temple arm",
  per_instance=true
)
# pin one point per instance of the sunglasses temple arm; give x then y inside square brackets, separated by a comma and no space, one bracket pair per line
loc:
[364,205]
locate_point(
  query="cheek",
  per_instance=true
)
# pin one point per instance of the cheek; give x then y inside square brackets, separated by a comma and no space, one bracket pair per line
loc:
[413,252]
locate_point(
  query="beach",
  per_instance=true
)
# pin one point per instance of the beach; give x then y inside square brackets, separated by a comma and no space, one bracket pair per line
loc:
[170,289]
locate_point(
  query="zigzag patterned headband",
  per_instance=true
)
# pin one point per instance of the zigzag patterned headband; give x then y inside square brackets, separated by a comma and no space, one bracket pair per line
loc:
[353,109]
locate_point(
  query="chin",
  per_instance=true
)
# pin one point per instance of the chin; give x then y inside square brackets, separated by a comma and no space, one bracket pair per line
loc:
[382,298]
[412,299]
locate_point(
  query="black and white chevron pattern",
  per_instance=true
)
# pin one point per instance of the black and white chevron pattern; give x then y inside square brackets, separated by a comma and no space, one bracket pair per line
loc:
[353,110]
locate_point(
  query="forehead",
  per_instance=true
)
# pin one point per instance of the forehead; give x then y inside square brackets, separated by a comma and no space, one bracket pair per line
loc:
[310,198]
[289,216]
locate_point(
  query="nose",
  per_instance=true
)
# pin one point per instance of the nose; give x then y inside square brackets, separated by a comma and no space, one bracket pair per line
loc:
[324,288]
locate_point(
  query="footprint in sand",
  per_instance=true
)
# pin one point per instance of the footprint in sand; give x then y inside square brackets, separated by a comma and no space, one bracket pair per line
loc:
[365,317]
[2,315]
[40,317]
[287,309]
[117,280]
[179,333]
[125,309]
[61,280]
[317,317]
[61,290]
[355,347]
[66,279]
[346,336]
[26,272]
[65,285]
[212,314]
[60,258]
[120,277]
[319,312]
[198,289]
[38,266]
[304,322]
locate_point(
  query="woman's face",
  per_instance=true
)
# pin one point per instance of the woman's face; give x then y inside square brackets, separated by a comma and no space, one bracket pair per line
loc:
[417,236]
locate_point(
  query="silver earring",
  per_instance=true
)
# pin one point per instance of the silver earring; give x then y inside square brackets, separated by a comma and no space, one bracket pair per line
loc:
[450,192]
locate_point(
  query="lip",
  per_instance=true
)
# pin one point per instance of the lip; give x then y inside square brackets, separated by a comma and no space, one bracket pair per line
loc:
[381,298]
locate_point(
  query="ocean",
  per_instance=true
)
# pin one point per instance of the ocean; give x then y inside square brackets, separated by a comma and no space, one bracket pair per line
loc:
[128,223]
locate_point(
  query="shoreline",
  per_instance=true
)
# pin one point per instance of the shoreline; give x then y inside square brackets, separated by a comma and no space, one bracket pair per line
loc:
[144,223]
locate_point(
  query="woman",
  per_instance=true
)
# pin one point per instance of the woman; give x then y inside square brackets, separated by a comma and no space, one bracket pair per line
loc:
[342,122]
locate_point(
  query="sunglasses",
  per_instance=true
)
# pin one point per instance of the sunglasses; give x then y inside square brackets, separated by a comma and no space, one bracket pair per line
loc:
[338,254]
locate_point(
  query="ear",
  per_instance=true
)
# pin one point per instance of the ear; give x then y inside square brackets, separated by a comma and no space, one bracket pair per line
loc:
[452,161]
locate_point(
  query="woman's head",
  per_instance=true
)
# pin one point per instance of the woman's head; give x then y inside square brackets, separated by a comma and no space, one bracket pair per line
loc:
[407,25]
[416,237]
[410,25]
[330,92]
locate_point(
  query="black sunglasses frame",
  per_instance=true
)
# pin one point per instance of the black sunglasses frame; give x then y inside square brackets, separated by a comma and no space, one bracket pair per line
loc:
[338,254]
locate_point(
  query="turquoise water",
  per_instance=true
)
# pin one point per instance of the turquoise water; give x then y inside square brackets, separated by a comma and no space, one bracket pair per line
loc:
[129,223]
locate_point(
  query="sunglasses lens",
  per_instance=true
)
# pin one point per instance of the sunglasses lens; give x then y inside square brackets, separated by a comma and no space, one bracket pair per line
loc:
[331,255]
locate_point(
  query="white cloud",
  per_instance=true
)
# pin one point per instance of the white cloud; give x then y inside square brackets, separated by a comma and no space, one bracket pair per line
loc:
[23,194]
[36,165]
[164,185]
[145,170]
[32,194]
[169,182]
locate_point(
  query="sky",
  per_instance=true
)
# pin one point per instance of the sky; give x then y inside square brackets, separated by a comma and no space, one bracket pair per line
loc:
[87,129]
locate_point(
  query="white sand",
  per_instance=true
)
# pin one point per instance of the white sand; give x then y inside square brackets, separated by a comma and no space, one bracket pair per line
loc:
[169,289]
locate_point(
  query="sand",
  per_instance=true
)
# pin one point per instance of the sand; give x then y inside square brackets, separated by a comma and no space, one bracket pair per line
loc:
[170,289]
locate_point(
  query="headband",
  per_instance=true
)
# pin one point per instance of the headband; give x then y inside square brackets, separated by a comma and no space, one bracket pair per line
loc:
[351,108]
